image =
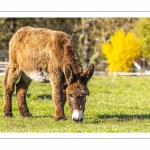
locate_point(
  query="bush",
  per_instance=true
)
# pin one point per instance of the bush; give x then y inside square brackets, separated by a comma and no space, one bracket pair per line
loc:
[122,51]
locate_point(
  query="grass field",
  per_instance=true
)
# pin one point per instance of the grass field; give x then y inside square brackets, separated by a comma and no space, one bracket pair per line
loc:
[116,104]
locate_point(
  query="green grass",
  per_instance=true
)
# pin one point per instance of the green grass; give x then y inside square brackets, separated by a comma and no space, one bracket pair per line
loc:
[115,104]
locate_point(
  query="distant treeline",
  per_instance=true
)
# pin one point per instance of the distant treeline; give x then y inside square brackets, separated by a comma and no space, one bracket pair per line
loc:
[88,34]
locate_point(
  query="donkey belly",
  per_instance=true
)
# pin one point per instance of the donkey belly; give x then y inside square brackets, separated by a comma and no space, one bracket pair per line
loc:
[39,76]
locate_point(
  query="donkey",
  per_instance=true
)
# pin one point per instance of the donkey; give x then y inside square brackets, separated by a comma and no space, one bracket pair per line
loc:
[46,55]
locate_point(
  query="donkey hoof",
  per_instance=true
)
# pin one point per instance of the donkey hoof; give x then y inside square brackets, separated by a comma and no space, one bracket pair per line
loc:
[27,115]
[8,115]
[61,119]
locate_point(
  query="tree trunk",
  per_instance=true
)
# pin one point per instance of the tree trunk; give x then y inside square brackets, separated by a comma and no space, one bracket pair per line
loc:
[12,26]
[86,51]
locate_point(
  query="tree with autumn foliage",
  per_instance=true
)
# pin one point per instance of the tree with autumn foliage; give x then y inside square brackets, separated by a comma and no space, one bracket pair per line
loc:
[122,50]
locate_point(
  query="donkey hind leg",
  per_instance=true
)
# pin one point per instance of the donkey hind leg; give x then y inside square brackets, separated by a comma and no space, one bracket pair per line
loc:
[58,97]
[21,91]
[10,78]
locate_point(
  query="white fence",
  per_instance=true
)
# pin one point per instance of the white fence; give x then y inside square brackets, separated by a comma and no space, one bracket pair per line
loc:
[3,66]
[103,73]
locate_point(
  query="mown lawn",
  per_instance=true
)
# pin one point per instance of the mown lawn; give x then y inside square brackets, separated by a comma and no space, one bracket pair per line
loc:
[115,104]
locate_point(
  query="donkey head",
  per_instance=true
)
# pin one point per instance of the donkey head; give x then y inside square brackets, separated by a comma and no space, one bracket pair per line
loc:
[77,90]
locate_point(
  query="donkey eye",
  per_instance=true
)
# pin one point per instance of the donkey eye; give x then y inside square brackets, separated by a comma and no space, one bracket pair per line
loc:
[71,95]
[83,98]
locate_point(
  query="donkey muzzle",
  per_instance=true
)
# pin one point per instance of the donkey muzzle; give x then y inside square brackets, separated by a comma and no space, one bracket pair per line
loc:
[77,115]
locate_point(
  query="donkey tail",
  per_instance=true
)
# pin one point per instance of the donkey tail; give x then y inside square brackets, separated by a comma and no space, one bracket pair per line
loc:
[5,76]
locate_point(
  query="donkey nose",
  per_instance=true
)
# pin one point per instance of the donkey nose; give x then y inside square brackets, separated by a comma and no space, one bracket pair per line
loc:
[76,120]
[77,115]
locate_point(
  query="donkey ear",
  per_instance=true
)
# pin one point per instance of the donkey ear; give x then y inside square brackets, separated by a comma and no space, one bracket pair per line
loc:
[86,75]
[69,74]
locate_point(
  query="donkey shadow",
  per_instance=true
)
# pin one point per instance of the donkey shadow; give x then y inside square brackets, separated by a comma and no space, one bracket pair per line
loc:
[123,117]
[118,118]
[45,96]
[44,116]
[42,96]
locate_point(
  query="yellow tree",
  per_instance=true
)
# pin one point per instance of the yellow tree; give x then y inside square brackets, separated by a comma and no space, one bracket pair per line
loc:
[122,51]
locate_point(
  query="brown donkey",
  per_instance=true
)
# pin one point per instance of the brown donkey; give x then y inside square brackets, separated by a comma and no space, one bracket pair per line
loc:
[45,55]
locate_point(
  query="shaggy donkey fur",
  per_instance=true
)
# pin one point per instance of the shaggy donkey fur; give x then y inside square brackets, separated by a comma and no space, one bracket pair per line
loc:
[45,55]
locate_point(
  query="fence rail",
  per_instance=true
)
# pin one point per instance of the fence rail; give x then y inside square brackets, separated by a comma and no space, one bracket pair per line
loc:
[129,73]
[3,66]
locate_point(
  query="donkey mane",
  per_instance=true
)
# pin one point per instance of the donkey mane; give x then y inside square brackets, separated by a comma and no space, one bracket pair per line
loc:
[72,57]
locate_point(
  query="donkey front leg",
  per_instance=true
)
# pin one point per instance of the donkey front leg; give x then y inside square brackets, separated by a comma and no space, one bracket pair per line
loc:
[58,97]
[21,91]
